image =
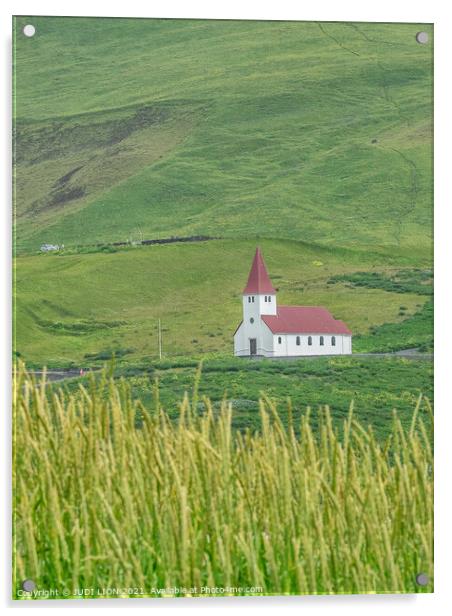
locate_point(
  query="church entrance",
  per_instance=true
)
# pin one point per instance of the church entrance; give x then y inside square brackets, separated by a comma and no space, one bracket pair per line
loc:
[253,346]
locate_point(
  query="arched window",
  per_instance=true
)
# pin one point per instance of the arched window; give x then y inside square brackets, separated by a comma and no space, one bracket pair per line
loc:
[298,340]
[279,339]
[249,299]
[265,298]
[269,298]
[333,340]
[252,298]
[321,341]
[310,340]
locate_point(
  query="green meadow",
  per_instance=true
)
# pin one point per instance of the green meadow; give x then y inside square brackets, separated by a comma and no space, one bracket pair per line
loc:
[318,132]
[376,386]
[81,309]
[312,140]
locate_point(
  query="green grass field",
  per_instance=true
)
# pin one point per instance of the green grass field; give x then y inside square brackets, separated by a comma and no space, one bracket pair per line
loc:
[311,140]
[80,308]
[223,127]
[376,386]
[298,509]
[252,131]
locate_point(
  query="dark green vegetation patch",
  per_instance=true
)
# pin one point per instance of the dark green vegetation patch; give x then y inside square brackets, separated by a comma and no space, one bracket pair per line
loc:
[401,281]
[377,386]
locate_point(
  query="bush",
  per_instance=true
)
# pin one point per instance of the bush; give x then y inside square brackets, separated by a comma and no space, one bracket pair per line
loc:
[401,281]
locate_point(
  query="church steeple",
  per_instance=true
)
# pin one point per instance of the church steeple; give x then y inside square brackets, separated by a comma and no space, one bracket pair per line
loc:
[259,282]
[259,295]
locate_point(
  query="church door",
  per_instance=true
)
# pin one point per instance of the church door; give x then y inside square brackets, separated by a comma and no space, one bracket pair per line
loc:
[253,349]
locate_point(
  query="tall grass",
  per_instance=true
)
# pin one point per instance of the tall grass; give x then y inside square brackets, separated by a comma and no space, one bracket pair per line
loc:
[100,503]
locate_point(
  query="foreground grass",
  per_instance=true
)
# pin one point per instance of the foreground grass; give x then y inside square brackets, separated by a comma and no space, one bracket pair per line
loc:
[99,503]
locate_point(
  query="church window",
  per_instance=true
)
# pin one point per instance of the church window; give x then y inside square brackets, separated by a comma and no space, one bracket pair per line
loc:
[333,340]
[269,298]
[321,340]
[249,299]
[279,339]
[252,298]
[251,320]
[298,340]
[265,298]
[310,340]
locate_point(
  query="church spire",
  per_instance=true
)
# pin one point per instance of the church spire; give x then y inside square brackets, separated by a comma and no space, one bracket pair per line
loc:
[258,280]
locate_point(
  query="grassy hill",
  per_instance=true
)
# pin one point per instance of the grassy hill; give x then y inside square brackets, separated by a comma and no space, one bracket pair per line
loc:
[85,307]
[311,139]
[129,128]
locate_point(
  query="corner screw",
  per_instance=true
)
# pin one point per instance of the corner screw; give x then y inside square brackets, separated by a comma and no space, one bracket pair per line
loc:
[28,585]
[422,38]
[422,579]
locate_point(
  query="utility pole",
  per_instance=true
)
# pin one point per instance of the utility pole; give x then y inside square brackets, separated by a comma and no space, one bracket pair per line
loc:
[160,340]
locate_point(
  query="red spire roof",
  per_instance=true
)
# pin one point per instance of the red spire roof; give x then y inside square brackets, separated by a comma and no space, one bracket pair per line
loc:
[258,280]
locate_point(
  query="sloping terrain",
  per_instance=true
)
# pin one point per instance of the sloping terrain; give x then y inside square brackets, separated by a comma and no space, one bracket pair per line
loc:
[150,128]
[85,307]
[63,165]
[311,139]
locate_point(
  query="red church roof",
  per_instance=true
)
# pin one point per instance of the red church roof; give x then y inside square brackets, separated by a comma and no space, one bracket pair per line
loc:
[258,280]
[304,320]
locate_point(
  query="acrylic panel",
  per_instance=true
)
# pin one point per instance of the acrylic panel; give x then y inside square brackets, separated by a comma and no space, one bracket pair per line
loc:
[223,308]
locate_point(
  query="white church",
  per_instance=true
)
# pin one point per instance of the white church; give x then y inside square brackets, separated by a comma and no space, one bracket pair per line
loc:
[270,330]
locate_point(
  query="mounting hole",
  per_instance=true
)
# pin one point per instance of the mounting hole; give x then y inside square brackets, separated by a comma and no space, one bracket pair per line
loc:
[422,37]
[28,585]
[422,579]
[29,30]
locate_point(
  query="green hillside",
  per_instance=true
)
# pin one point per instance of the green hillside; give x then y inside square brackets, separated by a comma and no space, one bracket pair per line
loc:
[150,128]
[310,140]
[84,307]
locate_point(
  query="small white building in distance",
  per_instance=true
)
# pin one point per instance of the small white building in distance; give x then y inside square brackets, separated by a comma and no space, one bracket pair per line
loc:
[270,330]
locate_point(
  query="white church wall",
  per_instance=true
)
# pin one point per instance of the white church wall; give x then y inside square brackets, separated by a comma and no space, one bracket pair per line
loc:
[288,345]
[266,344]
[254,327]
[239,344]
[269,306]
[255,305]
[280,345]
[347,345]
[258,330]
[250,305]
